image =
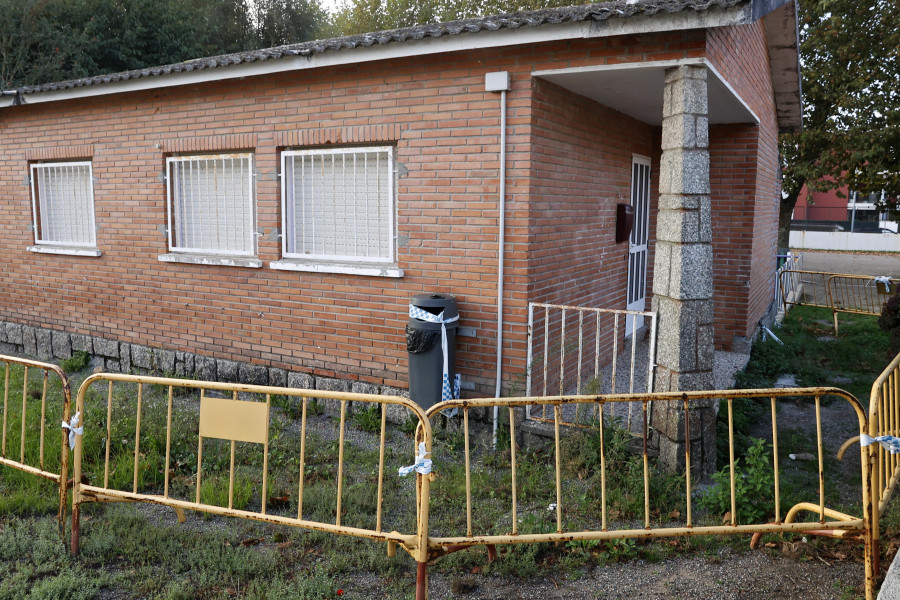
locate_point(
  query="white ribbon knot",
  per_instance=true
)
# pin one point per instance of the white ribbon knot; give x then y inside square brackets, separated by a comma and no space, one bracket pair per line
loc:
[73,428]
[422,464]
[888,442]
[884,279]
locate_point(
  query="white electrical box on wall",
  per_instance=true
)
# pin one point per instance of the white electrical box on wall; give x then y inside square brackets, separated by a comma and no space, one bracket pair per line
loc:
[496,82]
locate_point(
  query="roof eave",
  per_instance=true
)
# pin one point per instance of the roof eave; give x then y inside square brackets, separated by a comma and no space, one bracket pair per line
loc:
[784,64]
[194,72]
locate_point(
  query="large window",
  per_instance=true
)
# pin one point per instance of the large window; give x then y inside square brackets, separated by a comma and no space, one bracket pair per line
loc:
[210,204]
[338,205]
[62,196]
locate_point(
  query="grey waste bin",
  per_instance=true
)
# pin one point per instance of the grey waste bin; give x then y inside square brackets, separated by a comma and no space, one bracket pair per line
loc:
[423,344]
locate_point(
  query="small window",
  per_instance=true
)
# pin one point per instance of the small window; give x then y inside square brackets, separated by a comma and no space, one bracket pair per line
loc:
[210,204]
[62,197]
[338,205]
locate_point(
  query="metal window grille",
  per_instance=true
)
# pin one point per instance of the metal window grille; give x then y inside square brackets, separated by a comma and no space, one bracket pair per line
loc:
[210,204]
[338,204]
[62,198]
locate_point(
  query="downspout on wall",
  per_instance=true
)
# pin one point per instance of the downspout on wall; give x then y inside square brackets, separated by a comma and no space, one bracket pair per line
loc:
[499,82]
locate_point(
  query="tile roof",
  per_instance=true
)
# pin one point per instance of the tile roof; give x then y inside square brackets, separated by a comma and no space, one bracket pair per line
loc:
[537,18]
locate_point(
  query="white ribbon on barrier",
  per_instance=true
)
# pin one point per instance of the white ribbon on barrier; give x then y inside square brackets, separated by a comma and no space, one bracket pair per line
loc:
[888,442]
[422,464]
[883,279]
[447,393]
[73,428]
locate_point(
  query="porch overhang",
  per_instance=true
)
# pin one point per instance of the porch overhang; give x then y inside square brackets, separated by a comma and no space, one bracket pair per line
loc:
[636,89]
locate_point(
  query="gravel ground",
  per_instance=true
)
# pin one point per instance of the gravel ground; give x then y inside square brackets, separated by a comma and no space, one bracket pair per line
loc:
[725,576]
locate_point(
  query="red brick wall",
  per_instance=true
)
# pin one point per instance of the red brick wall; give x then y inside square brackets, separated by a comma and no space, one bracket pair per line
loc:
[445,128]
[745,185]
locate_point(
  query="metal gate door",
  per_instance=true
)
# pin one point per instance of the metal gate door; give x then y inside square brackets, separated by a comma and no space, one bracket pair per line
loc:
[637,243]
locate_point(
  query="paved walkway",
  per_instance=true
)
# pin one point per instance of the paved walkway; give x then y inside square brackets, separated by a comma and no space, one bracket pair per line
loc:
[849,262]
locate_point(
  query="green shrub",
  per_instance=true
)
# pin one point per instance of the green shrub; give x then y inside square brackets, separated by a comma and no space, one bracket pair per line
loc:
[78,361]
[752,484]
[369,418]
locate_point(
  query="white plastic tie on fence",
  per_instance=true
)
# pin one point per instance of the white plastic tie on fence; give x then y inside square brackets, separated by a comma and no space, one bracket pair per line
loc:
[447,392]
[422,465]
[888,442]
[73,428]
[884,279]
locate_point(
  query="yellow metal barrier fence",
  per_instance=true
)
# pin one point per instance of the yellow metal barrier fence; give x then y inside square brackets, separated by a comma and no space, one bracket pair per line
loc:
[31,456]
[884,420]
[187,416]
[237,414]
[838,292]
[607,528]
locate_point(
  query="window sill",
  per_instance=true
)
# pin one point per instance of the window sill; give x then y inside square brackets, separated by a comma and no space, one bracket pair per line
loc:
[65,250]
[341,268]
[213,260]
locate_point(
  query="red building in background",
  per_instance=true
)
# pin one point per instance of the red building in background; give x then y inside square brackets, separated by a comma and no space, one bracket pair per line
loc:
[840,207]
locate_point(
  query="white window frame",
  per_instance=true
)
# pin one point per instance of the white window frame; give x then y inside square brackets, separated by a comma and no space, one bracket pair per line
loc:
[323,259]
[248,234]
[40,209]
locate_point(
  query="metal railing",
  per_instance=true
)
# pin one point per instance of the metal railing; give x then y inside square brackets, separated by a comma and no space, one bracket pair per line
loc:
[222,411]
[579,350]
[32,456]
[792,289]
[838,292]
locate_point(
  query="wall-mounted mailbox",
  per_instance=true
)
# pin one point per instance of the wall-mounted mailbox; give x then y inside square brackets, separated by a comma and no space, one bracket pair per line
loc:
[624,222]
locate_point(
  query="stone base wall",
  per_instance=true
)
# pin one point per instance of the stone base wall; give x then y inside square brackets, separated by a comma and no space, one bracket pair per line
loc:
[112,356]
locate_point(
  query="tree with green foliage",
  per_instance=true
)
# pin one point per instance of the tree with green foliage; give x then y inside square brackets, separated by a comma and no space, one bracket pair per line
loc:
[280,22]
[850,61]
[361,16]
[54,40]
[37,43]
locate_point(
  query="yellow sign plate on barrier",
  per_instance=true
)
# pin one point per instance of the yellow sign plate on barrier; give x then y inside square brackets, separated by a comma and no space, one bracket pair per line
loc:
[237,420]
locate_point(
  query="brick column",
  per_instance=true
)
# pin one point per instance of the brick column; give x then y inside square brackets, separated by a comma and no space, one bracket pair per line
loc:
[683,272]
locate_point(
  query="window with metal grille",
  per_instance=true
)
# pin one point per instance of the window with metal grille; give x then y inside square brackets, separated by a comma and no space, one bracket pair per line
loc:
[210,204]
[62,198]
[338,204]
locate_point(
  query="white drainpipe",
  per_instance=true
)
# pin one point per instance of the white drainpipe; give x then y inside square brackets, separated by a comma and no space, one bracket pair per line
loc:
[499,82]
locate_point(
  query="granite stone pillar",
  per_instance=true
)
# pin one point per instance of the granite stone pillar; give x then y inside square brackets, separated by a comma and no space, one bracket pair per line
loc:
[683,273]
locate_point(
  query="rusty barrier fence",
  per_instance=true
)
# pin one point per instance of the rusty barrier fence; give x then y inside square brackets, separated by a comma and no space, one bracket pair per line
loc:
[838,292]
[30,404]
[221,448]
[884,420]
[155,440]
[549,518]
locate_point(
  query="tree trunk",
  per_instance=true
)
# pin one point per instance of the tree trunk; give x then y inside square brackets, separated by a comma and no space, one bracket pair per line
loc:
[786,210]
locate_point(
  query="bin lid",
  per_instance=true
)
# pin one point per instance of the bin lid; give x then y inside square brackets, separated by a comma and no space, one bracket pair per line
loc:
[436,303]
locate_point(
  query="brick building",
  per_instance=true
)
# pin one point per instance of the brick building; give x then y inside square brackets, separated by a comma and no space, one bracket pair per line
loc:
[268,215]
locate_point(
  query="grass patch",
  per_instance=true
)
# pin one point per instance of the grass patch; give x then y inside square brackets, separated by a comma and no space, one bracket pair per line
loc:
[812,352]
